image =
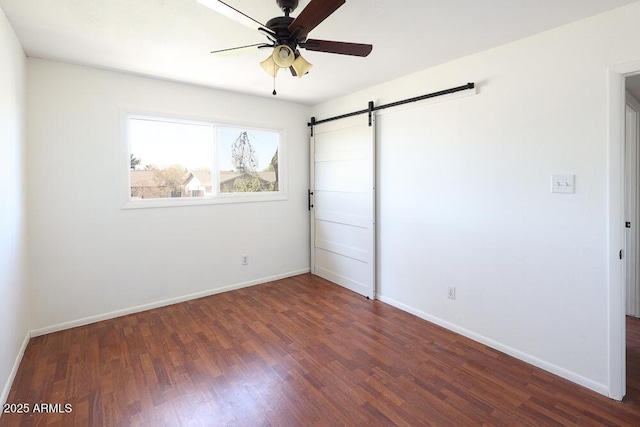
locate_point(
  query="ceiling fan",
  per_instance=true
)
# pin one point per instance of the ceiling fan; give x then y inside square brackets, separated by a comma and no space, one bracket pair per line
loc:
[287,34]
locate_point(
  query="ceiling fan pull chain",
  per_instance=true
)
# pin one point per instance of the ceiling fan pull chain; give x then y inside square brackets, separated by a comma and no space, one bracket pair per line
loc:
[274,79]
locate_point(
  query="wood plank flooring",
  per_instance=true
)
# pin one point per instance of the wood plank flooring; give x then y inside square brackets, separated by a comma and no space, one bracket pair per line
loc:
[298,351]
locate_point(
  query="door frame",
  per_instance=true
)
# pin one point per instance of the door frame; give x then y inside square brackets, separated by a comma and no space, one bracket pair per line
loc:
[616,99]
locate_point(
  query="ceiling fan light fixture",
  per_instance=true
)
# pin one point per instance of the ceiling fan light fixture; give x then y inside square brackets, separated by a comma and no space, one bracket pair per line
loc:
[283,56]
[301,66]
[270,66]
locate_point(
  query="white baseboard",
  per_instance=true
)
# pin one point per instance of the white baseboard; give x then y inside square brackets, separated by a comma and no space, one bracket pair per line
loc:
[14,370]
[549,367]
[144,307]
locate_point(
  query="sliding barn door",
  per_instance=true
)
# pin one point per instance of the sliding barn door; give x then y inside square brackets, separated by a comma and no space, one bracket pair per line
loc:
[343,203]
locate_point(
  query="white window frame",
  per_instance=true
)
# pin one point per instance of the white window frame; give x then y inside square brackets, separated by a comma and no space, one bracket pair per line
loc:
[217,197]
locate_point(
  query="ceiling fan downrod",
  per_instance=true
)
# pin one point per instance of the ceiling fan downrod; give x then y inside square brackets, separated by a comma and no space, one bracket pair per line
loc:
[287,6]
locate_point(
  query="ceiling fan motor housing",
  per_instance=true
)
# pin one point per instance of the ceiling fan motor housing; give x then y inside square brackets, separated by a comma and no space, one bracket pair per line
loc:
[280,27]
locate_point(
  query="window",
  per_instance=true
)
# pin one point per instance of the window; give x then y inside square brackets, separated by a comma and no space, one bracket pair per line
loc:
[176,162]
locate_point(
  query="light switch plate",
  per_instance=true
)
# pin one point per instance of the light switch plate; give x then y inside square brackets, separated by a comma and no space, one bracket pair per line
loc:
[563,184]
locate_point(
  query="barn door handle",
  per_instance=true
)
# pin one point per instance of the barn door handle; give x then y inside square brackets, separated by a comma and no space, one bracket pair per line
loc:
[310,193]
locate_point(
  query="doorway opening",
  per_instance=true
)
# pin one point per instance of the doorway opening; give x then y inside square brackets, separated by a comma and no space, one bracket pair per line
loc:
[631,186]
[631,249]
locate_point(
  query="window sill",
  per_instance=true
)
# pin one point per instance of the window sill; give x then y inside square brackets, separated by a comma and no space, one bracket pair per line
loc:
[200,201]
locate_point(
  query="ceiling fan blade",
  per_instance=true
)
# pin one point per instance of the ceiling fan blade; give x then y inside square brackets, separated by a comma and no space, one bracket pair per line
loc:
[342,48]
[231,12]
[312,15]
[259,45]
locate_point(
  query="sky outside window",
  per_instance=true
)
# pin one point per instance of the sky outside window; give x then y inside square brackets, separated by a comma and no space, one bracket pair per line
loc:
[164,143]
[191,145]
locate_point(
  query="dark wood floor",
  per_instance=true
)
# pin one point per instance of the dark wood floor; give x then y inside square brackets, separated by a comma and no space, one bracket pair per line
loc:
[298,351]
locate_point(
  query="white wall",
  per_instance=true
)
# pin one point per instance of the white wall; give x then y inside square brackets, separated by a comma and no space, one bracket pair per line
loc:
[88,258]
[14,326]
[464,194]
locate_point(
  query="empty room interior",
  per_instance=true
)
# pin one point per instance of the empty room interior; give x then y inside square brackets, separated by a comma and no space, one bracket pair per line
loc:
[319,212]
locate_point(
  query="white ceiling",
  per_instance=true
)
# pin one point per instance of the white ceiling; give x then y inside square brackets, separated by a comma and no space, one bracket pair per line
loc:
[171,39]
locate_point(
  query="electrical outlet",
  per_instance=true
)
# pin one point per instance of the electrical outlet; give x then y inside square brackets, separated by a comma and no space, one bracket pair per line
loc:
[245,259]
[451,292]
